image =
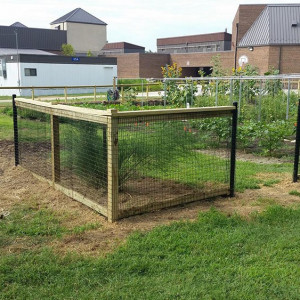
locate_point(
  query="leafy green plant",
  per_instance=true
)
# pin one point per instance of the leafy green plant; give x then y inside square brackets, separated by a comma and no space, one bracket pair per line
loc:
[67,50]
[130,95]
[178,94]
[271,135]
[274,86]
[247,134]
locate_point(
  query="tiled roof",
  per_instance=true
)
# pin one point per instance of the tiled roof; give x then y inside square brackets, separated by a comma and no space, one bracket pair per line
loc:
[79,15]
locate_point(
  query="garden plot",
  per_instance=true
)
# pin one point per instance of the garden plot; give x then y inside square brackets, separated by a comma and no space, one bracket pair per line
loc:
[124,163]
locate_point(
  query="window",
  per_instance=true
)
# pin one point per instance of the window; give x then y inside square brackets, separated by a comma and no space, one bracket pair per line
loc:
[30,72]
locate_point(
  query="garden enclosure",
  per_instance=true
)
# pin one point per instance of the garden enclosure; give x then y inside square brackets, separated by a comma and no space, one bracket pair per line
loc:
[126,163]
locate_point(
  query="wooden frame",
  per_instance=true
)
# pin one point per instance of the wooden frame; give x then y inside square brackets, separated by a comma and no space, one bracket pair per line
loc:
[111,119]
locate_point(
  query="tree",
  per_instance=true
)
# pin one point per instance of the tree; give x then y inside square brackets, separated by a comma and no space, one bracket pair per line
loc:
[67,50]
[89,53]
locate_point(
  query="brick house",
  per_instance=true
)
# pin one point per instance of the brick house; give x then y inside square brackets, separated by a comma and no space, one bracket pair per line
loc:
[263,35]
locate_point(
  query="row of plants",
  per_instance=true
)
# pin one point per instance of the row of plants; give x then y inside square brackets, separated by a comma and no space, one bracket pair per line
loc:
[141,84]
[269,139]
[267,113]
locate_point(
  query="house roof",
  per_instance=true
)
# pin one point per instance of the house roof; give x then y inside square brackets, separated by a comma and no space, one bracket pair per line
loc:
[18,24]
[276,25]
[199,38]
[78,15]
[121,45]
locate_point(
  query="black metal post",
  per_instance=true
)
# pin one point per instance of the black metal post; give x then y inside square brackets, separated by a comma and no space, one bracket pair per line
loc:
[16,135]
[233,148]
[297,144]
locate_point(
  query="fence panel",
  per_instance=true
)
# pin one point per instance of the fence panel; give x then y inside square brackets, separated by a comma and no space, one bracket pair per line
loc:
[35,142]
[167,162]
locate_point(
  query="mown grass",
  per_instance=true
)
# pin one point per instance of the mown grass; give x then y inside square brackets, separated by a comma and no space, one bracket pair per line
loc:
[6,127]
[215,257]
[36,225]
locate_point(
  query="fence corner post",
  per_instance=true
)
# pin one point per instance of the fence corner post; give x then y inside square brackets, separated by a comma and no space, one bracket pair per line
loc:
[112,166]
[233,148]
[55,149]
[297,144]
[16,133]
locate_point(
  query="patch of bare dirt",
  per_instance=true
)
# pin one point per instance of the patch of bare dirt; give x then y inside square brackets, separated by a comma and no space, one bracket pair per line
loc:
[18,186]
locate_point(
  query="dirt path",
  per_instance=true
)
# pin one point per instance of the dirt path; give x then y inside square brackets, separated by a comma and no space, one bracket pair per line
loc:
[18,186]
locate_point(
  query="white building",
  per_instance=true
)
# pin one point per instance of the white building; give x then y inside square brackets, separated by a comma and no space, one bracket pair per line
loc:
[27,70]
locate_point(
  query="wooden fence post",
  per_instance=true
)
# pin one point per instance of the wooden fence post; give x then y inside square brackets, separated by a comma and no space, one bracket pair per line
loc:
[55,148]
[147,92]
[66,95]
[112,167]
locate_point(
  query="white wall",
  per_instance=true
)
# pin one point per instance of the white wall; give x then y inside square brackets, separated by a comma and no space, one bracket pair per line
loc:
[58,75]
[10,80]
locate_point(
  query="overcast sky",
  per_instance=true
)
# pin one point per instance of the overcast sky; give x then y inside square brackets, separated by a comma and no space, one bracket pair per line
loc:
[138,22]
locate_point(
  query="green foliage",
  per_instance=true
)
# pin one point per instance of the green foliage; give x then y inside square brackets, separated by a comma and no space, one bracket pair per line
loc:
[178,94]
[130,95]
[271,135]
[217,69]
[214,257]
[67,50]
[89,54]
[273,87]
[294,193]
[140,84]
[247,134]
[214,127]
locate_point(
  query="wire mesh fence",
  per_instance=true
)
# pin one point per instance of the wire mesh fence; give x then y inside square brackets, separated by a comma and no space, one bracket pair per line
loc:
[126,163]
[35,142]
[166,162]
[83,158]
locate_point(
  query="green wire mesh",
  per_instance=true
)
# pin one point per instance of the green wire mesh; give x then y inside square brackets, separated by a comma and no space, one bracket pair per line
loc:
[164,163]
[35,141]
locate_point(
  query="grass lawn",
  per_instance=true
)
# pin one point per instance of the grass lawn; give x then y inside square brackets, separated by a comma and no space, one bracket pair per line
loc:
[6,127]
[216,257]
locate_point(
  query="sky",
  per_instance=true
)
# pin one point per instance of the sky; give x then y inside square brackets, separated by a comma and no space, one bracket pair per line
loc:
[138,22]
